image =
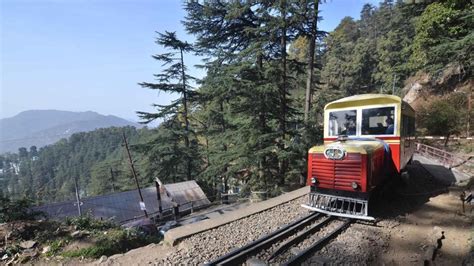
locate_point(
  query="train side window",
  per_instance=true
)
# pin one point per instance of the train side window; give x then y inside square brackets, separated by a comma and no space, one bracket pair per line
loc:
[342,123]
[378,121]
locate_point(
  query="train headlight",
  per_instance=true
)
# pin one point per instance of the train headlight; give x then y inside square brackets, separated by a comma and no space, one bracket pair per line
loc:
[313,180]
[355,185]
[334,153]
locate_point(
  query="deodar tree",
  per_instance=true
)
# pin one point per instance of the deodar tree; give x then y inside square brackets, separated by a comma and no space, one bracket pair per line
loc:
[175,149]
[247,93]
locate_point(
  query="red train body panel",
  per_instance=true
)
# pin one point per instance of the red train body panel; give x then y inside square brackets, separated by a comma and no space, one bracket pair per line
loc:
[377,141]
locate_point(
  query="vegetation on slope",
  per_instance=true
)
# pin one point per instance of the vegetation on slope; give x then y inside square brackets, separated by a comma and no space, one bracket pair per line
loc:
[243,123]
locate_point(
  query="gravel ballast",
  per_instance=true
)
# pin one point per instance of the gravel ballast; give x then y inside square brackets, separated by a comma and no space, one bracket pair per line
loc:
[209,245]
[408,211]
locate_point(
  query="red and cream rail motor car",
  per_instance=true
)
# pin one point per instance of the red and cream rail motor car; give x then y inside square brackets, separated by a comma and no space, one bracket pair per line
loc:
[367,138]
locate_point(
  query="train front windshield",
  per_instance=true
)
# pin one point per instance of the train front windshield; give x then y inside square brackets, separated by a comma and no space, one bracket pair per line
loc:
[378,121]
[343,123]
[375,121]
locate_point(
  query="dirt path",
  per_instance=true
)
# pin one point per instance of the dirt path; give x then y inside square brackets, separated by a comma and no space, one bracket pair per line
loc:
[413,240]
[140,256]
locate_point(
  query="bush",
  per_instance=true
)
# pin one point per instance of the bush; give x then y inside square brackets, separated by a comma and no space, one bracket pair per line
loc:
[12,250]
[116,240]
[88,222]
[16,210]
[56,246]
[444,116]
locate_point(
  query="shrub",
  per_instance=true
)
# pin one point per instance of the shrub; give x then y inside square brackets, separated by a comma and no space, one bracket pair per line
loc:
[444,116]
[116,240]
[88,222]
[56,246]
[16,210]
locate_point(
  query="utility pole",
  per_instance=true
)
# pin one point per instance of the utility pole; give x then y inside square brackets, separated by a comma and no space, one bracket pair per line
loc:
[112,179]
[142,202]
[393,84]
[158,194]
[78,199]
[468,122]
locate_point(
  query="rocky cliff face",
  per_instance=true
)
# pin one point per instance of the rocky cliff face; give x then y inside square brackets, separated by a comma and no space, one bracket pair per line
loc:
[423,86]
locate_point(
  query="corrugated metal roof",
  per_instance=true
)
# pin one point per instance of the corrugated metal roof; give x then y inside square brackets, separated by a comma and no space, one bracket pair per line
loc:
[123,206]
[187,193]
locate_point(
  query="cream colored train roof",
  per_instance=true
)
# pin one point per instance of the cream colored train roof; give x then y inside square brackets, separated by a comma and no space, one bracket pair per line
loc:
[364,99]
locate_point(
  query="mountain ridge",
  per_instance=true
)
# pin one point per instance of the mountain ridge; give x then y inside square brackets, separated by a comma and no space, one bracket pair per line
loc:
[43,127]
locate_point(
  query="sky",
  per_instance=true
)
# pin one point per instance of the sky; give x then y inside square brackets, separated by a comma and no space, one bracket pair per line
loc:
[89,55]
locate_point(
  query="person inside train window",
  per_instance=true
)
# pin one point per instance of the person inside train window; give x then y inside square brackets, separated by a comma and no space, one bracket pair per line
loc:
[378,121]
[350,128]
[389,122]
[342,123]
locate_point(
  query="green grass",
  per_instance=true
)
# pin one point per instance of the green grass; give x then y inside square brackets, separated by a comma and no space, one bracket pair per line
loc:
[116,240]
[88,222]
[56,246]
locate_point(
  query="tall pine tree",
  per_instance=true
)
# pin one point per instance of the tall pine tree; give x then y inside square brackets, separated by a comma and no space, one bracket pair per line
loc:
[176,128]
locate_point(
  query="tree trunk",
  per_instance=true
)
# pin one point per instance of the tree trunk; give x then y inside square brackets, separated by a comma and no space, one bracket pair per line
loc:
[262,119]
[224,147]
[283,91]
[185,116]
[226,188]
[310,67]
[446,141]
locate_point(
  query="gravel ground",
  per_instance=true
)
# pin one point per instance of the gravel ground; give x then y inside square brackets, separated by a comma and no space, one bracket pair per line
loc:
[328,228]
[212,244]
[411,218]
[360,244]
[264,255]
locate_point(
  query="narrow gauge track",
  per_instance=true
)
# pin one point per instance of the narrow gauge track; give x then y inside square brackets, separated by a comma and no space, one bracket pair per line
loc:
[303,225]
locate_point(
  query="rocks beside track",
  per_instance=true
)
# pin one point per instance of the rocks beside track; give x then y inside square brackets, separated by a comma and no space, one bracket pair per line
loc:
[209,245]
[408,213]
[360,244]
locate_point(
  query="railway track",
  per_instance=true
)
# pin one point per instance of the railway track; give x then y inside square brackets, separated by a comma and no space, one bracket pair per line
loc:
[284,238]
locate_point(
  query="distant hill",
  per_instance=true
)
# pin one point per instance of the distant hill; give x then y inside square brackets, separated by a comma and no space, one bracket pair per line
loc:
[43,127]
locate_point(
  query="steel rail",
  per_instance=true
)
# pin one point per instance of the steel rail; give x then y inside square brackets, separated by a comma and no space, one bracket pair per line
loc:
[241,254]
[302,256]
[299,237]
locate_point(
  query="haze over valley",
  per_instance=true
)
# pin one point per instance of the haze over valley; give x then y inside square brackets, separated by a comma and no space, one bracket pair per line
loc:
[42,127]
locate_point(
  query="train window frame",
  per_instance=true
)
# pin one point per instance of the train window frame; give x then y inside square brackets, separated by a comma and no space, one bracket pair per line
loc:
[359,109]
[343,110]
[395,120]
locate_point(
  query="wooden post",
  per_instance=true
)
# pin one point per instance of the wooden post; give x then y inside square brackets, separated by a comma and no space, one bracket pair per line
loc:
[175,210]
[463,199]
[112,179]
[158,196]
[78,199]
[468,122]
[393,84]
[133,171]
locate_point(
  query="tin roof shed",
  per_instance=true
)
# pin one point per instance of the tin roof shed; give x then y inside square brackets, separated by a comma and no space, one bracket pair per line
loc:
[125,206]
